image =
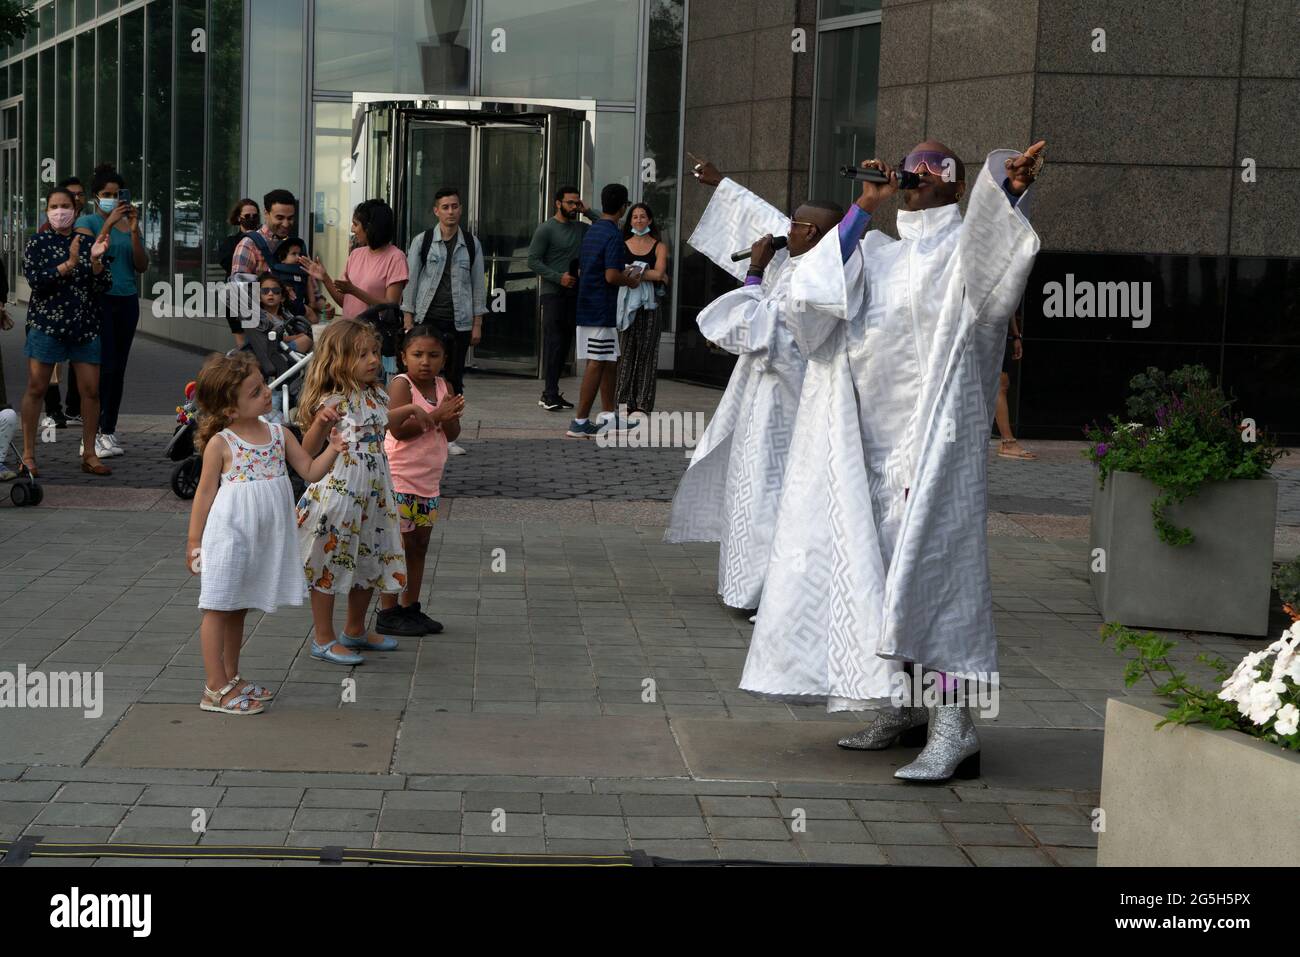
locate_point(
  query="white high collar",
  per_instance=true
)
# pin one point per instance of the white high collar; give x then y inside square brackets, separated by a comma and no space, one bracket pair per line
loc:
[921,223]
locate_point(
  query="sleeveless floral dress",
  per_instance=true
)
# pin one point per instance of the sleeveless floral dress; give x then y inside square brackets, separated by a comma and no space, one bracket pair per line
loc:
[348,533]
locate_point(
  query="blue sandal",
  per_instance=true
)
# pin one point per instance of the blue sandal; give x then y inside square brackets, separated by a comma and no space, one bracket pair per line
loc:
[326,653]
[347,641]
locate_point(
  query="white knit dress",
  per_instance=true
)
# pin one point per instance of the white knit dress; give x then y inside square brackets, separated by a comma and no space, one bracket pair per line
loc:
[250,545]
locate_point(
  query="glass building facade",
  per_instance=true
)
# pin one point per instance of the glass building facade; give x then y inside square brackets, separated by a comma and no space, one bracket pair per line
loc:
[201,102]
[143,86]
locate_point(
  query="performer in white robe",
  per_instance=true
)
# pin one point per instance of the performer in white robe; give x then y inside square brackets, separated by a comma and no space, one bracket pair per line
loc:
[730,491]
[880,555]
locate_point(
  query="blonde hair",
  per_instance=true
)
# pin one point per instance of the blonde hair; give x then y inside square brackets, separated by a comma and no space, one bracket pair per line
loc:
[216,390]
[333,359]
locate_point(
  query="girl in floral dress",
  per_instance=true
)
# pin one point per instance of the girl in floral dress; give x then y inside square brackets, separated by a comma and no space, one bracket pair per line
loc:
[348,532]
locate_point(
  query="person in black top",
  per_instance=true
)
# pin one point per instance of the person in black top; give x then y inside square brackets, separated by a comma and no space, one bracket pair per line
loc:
[639,342]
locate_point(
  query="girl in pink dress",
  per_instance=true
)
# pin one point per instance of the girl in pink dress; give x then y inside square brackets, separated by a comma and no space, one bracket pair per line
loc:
[416,458]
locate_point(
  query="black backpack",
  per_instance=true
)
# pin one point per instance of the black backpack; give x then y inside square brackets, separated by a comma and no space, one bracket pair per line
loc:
[426,243]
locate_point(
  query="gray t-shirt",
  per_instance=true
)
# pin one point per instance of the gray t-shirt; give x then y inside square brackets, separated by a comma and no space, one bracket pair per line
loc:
[442,309]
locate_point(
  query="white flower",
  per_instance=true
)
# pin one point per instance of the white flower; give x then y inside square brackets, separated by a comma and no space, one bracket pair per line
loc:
[1288,719]
[1263,701]
[1237,688]
[1287,664]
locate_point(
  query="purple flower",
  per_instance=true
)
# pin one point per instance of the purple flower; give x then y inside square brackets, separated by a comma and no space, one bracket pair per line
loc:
[1101,449]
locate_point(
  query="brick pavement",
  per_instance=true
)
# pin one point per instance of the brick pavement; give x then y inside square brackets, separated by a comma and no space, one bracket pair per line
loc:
[567,632]
[553,650]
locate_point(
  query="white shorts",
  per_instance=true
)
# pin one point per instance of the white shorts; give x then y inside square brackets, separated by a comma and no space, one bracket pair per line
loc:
[598,343]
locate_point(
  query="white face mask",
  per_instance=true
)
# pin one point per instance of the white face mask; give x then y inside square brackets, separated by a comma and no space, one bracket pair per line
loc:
[640,232]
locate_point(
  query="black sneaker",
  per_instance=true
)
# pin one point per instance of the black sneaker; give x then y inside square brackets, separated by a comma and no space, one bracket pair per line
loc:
[550,403]
[564,403]
[414,614]
[395,621]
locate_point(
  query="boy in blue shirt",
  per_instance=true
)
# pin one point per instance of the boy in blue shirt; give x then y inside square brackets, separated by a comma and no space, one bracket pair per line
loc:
[601,266]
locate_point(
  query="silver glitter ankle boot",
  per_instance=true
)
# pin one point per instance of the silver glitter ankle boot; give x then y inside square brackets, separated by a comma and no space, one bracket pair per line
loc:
[952,751]
[903,725]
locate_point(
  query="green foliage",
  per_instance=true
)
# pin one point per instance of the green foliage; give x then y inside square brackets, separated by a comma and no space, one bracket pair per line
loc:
[16,20]
[1286,579]
[1189,440]
[1152,389]
[1191,704]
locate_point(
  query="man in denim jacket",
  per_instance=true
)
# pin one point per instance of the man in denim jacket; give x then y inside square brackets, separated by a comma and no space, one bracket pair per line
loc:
[452,301]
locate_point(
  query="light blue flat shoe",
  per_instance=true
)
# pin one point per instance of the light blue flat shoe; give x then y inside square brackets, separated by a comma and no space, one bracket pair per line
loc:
[388,644]
[327,653]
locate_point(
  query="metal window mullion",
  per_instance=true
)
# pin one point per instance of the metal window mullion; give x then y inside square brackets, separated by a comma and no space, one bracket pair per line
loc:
[305,109]
[171,159]
[675,286]
[642,72]
[246,110]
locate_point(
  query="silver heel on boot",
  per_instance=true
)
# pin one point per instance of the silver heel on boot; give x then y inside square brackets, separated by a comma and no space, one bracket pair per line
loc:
[903,725]
[952,751]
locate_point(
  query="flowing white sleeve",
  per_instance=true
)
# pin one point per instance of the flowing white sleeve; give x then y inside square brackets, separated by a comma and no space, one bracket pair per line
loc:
[727,322]
[824,292]
[732,221]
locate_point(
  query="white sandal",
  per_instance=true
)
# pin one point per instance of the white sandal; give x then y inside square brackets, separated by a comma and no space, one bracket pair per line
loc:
[253,690]
[240,705]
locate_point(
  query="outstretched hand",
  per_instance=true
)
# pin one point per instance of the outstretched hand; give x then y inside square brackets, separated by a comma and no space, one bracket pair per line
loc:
[1022,170]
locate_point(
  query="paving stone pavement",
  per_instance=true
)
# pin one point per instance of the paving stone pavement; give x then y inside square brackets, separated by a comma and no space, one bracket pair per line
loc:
[567,631]
[560,601]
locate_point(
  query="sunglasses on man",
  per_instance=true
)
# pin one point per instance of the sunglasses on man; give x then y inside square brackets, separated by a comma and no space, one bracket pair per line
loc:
[935,162]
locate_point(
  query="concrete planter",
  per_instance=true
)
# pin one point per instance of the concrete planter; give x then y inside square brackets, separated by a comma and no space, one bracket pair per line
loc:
[1220,582]
[1188,796]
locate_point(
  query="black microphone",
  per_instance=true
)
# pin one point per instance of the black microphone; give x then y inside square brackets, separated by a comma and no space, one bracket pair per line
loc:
[906,180]
[778,242]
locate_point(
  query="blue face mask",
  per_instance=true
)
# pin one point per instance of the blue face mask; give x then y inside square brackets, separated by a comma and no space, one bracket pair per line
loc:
[107,203]
[640,232]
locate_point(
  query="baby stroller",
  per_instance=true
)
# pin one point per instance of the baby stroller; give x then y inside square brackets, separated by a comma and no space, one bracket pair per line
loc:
[283,368]
[24,491]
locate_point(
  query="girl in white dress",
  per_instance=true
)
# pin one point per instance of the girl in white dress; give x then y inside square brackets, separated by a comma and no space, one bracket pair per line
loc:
[242,539]
[348,533]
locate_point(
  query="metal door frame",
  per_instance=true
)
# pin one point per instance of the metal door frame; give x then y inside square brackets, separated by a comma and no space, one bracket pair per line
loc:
[402,110]
[13,200]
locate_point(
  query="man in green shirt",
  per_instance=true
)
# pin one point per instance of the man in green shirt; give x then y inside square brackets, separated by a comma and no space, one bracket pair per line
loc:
[553,255]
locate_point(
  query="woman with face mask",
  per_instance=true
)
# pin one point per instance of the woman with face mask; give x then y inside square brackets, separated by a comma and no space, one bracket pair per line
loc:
[639,342]
[113,218]
[246,219]
[68,272]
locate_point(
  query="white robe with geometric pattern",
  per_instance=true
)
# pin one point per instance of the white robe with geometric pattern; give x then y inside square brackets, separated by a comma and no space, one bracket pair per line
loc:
[903,362]
[730,491]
